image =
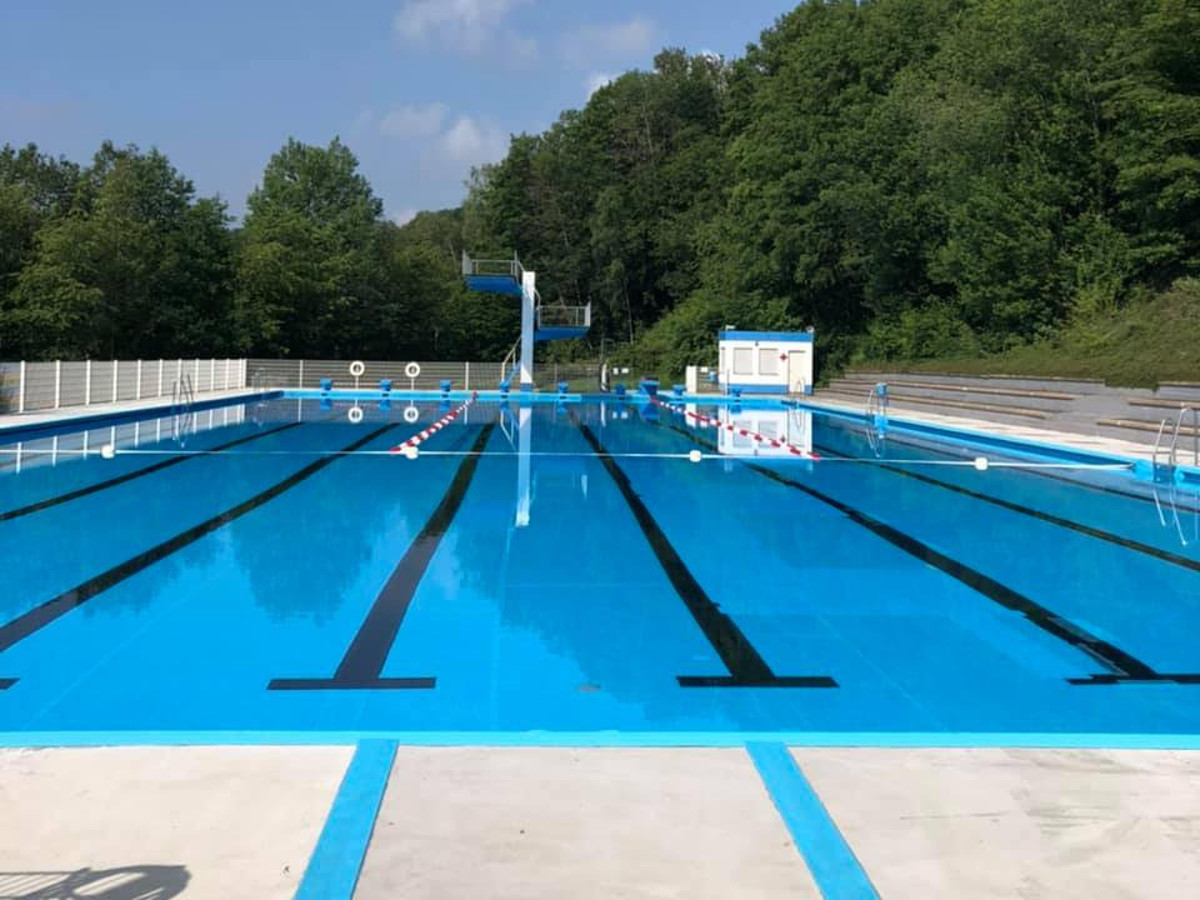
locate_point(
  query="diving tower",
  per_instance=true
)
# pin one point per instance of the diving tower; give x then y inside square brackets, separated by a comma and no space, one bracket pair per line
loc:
[539,322]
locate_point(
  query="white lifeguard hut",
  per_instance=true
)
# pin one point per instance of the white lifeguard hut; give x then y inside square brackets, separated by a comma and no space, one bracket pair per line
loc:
[766,362]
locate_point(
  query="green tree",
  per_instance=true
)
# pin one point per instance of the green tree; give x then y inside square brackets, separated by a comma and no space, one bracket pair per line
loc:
[137,267]
[1150,116]
[310,266]
[35,189]
[606,204]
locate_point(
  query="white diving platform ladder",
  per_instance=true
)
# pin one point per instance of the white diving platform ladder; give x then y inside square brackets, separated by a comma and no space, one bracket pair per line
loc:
[876,413]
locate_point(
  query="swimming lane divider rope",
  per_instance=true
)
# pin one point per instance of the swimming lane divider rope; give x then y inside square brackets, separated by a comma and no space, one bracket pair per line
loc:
[568,454]
[746,666]
[1037,470]
[39,617]
[175,458]
[733,428]
[1078,527]
[362,666]
[425,434]
[389,453]
[1122,667]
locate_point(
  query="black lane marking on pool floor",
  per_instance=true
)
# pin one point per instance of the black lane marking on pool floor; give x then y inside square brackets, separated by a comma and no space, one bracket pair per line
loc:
[362,666]
[1123,667]
[130,476]
[746,666]
[40,616]
[1128,543]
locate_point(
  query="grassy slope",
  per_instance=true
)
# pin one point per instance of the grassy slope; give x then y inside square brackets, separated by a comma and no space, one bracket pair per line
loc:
[1139,346]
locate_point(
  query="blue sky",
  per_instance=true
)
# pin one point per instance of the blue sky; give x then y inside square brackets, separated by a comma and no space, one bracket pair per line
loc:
[420,89]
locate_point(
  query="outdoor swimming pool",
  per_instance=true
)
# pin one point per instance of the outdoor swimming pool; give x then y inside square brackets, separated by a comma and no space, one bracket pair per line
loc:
[566,568]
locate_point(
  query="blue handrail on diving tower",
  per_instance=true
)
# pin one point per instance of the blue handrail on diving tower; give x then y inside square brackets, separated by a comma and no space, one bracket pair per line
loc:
[539,322]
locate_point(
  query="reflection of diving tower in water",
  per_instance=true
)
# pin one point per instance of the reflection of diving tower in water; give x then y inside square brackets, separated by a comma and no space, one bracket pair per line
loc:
[518,428]
[539,322]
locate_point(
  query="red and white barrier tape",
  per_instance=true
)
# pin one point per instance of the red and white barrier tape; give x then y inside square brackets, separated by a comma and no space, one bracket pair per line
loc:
[426,434]
[738,430]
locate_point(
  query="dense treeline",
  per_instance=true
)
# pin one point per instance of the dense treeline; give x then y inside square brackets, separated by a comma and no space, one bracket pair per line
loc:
[915,178]
[121,258]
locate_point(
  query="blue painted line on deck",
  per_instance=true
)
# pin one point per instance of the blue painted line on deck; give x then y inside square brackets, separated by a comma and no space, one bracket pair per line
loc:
[333,869]
[832,863]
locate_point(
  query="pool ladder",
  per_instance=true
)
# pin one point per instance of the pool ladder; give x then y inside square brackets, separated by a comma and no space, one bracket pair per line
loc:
[183,401]
[511,364]
[508,426]
[1169,514]
[1171,452]
[876,413]
[258,384]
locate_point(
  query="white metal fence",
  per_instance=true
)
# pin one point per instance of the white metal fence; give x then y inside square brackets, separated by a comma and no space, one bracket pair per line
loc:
[35,386]
[480,376]
[308,373]
[32,386]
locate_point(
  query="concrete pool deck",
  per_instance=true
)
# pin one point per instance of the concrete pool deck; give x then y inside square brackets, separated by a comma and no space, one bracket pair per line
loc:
[184,821]
[231,822]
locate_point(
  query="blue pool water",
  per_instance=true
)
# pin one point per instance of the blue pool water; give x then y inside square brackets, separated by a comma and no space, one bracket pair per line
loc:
[567,568]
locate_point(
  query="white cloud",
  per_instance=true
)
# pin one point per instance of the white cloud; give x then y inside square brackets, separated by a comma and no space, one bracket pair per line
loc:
[597,80]
[466,24]
[414,121]
[474,142]
[621,40]
[404,216]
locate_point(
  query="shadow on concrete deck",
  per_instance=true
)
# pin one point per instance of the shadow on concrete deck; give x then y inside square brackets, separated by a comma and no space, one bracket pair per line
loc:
[127,883]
